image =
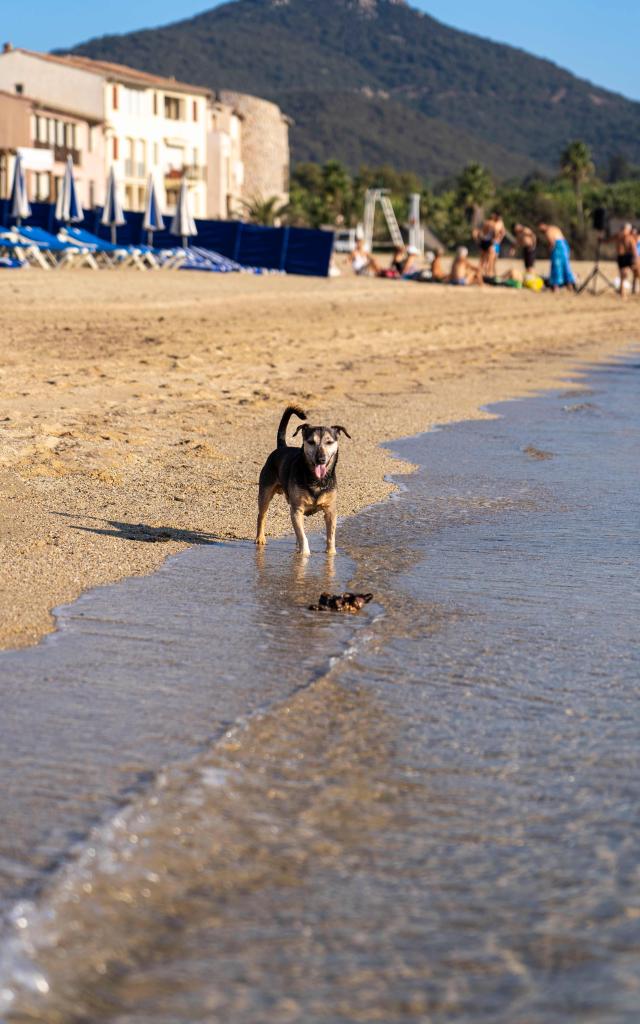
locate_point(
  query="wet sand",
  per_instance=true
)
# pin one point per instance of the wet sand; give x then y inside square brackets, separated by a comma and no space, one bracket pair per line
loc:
[138,409]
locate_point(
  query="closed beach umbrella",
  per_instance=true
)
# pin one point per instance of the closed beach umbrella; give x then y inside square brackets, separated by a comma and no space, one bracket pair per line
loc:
[183,223]
[112,215]
[68,207]
[153,220]
[19,202]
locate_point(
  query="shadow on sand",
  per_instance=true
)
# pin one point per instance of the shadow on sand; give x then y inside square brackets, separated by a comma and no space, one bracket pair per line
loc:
[141,532]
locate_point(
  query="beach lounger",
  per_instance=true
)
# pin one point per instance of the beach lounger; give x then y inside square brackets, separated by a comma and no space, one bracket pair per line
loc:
[112,255]
[59,253]
[25,253]
[197,258]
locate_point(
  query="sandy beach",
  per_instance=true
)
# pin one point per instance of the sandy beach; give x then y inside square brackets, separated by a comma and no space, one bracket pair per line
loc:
[138,408]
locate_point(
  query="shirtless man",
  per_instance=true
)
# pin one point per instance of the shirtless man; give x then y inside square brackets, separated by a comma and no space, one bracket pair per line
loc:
[438,273]
[627,255]
[527,240]
[636,265]
[484,236]
[561,272]
[463,272]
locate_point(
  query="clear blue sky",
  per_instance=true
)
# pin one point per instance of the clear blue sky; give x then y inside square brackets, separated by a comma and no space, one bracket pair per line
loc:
[588,37]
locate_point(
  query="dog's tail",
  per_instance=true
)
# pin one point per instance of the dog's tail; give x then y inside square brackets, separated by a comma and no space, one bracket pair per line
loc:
[291,410]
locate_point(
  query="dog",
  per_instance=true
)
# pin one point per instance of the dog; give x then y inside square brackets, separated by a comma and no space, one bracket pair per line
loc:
[306,476]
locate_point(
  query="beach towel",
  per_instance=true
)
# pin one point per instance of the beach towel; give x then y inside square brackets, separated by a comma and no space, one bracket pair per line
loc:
[561,272]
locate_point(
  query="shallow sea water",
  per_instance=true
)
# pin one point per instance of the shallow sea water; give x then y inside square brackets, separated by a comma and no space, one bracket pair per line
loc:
[218,805]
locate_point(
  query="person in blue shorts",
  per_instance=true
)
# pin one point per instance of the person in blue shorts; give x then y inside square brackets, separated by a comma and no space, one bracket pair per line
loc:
[562,275]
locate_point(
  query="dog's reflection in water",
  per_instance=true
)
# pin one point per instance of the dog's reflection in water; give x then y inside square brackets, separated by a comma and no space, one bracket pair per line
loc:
[294,576]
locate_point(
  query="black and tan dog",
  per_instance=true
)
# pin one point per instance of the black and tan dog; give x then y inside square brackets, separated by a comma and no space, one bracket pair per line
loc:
[306,476]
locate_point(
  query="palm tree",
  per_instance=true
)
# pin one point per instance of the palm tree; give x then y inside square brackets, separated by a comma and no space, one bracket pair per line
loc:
[264,211]
[474,188]
[576,165]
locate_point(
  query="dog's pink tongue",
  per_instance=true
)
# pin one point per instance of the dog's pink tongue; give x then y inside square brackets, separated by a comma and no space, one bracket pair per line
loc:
[320,471]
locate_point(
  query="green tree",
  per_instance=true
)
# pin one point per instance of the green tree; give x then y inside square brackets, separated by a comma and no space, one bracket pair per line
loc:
[474,188]
[577,167]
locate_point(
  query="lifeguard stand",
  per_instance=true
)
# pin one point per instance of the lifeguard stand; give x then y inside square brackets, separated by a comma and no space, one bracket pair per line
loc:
[372,197]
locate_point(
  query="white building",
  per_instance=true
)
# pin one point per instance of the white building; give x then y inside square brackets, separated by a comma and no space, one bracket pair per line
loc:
[149,123]
[225,167]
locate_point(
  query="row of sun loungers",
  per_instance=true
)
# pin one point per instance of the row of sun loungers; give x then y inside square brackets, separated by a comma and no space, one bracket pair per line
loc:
[75,247]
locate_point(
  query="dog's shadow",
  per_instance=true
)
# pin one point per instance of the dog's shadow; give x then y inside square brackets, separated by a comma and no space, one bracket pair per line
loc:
[140,532]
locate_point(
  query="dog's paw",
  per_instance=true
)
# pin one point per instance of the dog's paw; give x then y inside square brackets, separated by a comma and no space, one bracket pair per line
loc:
[261,541]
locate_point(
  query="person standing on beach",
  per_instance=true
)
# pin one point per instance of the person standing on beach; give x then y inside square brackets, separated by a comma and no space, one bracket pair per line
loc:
[636,265]
[627,255]
[484,236]
[499,231]
[562,275]
[527,241]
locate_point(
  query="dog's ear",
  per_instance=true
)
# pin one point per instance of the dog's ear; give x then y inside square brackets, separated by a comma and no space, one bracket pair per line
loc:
[303,426]
[341,430]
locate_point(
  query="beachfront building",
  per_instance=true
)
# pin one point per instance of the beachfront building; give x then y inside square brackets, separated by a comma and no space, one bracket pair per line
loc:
[149,123]
[232,148]
[225,166]
[45,135]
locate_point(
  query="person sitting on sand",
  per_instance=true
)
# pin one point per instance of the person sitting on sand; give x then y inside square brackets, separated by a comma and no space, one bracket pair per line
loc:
[561,273]
[462,271]
[526,239]
[362,262]
[438,273]
[627,255]
[403,262]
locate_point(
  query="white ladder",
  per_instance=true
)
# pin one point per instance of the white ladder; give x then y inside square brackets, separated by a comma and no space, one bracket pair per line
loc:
[381,195]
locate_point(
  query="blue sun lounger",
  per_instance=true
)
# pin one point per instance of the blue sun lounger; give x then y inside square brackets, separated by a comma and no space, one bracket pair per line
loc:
[113,255]
[59,253]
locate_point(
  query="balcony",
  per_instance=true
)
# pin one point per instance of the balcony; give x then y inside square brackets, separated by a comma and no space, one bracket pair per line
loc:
[134,169]
[60,153]
[192,172]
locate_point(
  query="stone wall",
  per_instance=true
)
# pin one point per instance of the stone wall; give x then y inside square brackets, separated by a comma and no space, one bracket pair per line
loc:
[265,146]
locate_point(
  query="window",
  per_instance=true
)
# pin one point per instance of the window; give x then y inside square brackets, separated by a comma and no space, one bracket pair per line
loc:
[133,101]
[51,131]
[41,129]
[114,98]
[155,103]
[90,139]
[19,87]
[172,108]
[116,148]
[195,110]
[92,194]
[59,133]
[172,198]
[70,136]
[43,186]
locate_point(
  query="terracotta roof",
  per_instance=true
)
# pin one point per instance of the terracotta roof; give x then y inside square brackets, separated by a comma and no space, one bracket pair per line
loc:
[51,108]
[118,72]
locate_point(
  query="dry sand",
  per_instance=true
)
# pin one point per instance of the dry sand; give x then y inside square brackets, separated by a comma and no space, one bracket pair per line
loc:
[140,407]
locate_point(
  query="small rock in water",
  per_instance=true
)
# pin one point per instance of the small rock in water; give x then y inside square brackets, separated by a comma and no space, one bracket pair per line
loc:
[350,603]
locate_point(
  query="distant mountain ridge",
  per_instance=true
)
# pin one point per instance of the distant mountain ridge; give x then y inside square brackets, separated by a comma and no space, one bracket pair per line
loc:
[377,81]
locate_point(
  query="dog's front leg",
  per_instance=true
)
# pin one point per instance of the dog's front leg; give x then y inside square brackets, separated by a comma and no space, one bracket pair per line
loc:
[297,518]
[330,519]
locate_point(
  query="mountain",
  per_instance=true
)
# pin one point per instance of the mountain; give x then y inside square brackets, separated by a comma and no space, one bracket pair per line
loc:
[376,81]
